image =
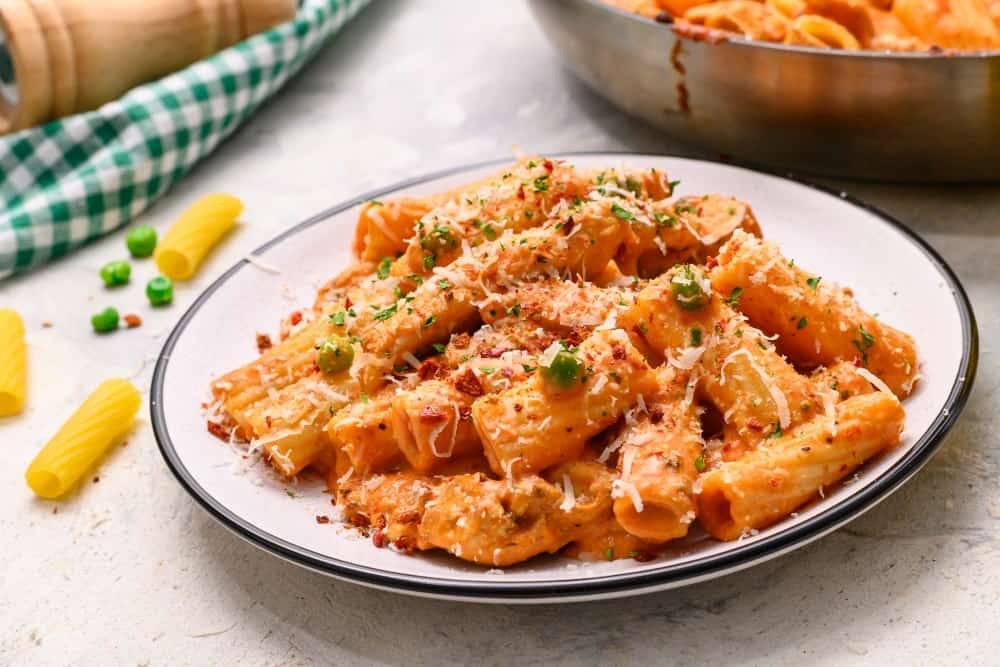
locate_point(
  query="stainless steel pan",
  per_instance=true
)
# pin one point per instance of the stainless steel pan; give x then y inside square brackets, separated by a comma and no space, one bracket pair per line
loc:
[858,114]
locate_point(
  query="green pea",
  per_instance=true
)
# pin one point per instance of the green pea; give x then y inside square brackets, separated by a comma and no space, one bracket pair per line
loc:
[160,291]
[564,369]
[116,273]
[105,321]
[141,241]
[335,354]
[687,287]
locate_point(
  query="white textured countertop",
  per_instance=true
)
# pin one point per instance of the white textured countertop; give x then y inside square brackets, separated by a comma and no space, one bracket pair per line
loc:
[132,571]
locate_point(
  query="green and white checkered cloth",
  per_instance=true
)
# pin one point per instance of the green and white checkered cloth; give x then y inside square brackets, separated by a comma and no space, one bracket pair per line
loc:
[75,179]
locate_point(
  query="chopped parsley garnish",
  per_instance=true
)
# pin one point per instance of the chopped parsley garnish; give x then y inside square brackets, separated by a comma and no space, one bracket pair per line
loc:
[621,213]
[429,261]
[515,310]
[489,232]
[528,368]
[609,553]
[338,318]
[864,344]
[439,347]
[532,164]
[487,370]
[699,464]
[374,202]
[673,186]
[776,433]
[355,339]
[664,219]
[633,186]
[291,494]
[695,337]
[734,297]
[444,284]
[429,321]
[383,268]
[801,324]
[814,283]
[540,183]
[686,208]
[385,313]
[529,214]
[415,278]
[363,398]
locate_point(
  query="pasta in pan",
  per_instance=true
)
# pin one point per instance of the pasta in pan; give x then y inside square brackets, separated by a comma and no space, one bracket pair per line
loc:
[576,361]
[876,25]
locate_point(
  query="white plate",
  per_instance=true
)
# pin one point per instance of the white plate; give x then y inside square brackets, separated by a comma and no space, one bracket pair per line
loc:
[892,272]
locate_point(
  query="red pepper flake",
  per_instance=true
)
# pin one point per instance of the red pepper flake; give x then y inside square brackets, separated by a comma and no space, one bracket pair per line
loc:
[428,369]
[431,414]
[520,192]
[218,430]
[347,302]
[263,343]
[618,352]
[132,320]
[775,482]
[518,407]
[468,383]
[322,518]
[267,420]
[295,317]
[568,225]
[548,165]
[378,539]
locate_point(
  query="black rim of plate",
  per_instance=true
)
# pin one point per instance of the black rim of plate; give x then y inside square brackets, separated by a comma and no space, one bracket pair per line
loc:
[667,576]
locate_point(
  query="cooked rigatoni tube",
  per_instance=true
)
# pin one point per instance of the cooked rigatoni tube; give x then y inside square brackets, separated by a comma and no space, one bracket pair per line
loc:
[290,424]
[574,394]
[106,416]
[496,522]
[660,457]
[391,504]
[295,357]
[817,323]
[197,231]
[363,432]
[691,229]
[772,482]
[677,317]
[432,423]
[384,227]
[13,363]
[522,197]
[448,302]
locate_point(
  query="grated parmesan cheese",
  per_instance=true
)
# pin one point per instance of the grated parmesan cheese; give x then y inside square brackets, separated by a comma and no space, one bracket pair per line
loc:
[875,380]
[569,494]
[780,402]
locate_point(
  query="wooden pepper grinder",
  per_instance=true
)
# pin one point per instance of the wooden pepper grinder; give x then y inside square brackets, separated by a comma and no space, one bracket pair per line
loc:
[60,57]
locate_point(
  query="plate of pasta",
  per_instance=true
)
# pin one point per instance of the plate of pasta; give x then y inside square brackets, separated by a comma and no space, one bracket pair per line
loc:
[563,378]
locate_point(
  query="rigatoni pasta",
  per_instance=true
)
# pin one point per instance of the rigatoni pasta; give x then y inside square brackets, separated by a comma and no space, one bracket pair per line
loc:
[195,233]
[102,419]
[563,360]
[13,363]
